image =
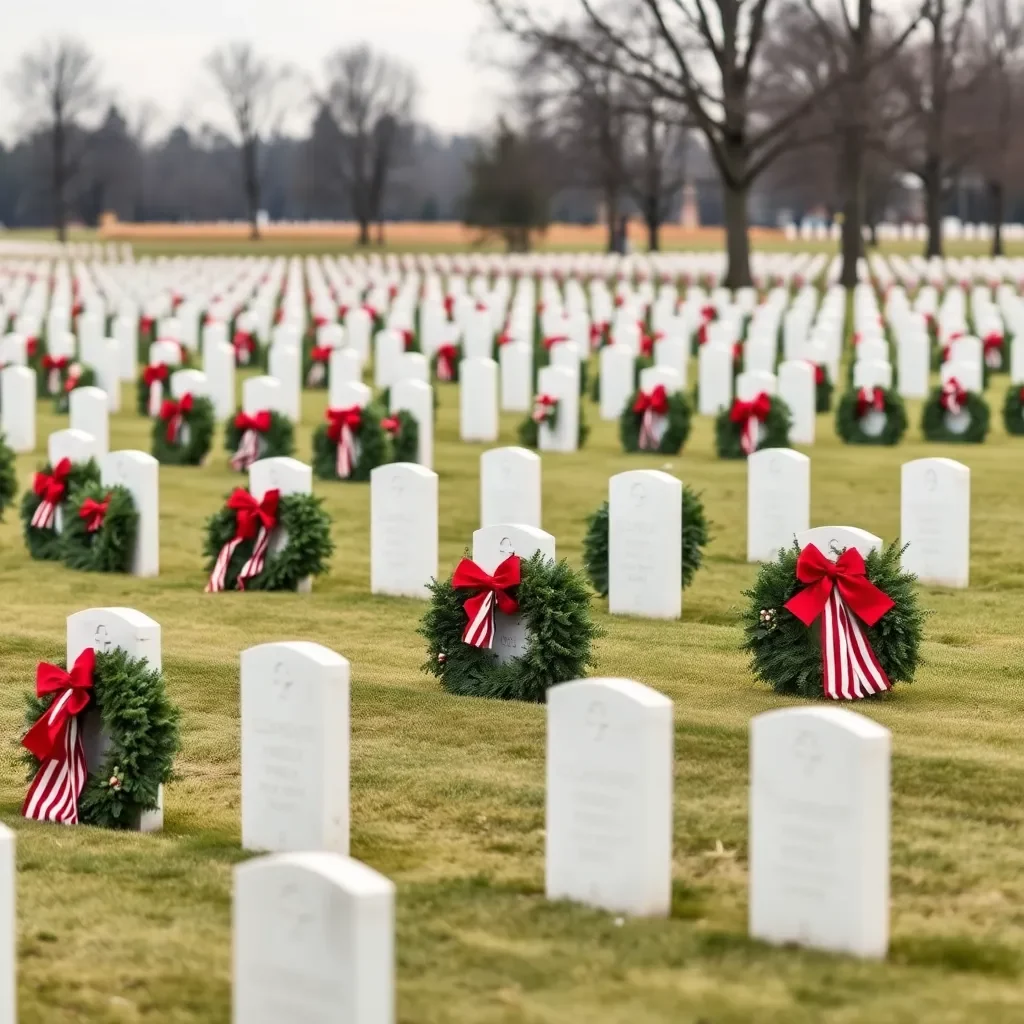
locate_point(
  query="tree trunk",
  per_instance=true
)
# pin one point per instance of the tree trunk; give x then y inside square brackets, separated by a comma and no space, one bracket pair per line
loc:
[932,181]
[997,208]
[380,232]
[737,235]
[611,211]
[364,230]
[252,186]
[853,204]
[60,220]
[653,221]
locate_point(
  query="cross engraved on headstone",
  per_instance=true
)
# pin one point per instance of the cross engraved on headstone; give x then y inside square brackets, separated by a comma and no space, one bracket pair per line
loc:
[505,548]
[931,480]
[638,494]
[597,720]
[807,752]
[282,683]
[101,641]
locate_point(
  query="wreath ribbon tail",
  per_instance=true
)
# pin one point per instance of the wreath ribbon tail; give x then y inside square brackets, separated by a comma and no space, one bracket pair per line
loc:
[53,793]
[44,515]
[850,667]
[248,451]
[254,566]
[53,381]
[650,426]
[218,577]
[346,453]
[479,631]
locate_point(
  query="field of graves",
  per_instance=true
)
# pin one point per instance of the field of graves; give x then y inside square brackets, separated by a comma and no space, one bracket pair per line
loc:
[448,792]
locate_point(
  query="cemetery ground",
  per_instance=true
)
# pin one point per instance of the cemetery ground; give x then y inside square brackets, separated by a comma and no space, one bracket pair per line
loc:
[448,792]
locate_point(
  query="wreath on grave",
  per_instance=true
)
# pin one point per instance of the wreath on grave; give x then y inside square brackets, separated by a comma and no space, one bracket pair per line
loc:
[246,349]
[51,488]
[353,441]
[994,352]
[183,432]
[316,367]
[8,476]
[858,404]
[841,630]
[138,718]
[100,528]
[237,544]
[59,376]
[554,602]
[546,410]
[266,434]
[444,363]
[952,413]
[695,537]
[1013,410]
[655,421]
[747,427]
[404,434]
[155,373]
[822,388]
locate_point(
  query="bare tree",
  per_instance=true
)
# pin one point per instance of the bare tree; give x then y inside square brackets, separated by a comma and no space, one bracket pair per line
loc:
[369,97]
[57,87]
[252,87]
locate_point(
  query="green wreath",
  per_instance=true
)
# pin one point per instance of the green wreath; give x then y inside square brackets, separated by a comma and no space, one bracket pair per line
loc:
[144,730]
[307,553]
[1013,410]
[372,444]
[695,537]
[73,373]
[848,425]
[142,388]
[320,379]
[823,388]
[529,430]
[405,441]
[553,599]
[278,440]
[197,426]
[933,419]
[679,417]
[108,549]
[639,364]
[456,362]
[8,476]
[786,654]
[44,544]
[776,431]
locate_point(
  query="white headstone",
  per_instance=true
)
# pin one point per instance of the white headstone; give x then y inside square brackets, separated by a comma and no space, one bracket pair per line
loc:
[358,326]
[819,830]
[935,521]
[913,364]
[833,540]
[1017,359]
[608,831]
[778,501]
[478,400]
[105,629]
[345,367]
[285,366]
[752,383]
[872,373]
[89,412]
[313,938]
[389,347]
[798,389]
[76,445]
[491,546]
[516,377]
[510,490]
[18,408]
[139,472]
[295,748]
[714,374]
[189,382]
[219,364]
[617,365]
[417,398]
[289,476]
[166,352]
[126,334]
[8,928]
[403,529]
[645,544]
[664,376]
[968,374]
[564,385]
[412,366]
[259,393]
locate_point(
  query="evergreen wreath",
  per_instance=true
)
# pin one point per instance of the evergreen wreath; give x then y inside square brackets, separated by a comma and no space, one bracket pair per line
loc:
[404,434]
[8,476]
[823,388]
[59,376]
[1013,410]
[154,372]
[307,553]
[856,403]
[100,528]
[677,413]
[183,432]
[278,439]
[786,654]
[694,538]
[529,429]
[316,366]
[144,731]
[43,542]
[444,363]
[775,427]
[933,418]
[554,601]
[369,443]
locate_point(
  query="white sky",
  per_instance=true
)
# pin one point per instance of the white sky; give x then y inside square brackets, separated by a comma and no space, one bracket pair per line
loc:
[154,49]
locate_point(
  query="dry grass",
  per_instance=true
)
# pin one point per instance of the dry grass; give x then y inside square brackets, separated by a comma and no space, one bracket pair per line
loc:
[447,793]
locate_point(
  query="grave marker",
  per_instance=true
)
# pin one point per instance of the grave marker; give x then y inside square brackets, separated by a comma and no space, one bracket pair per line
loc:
[8,928]
[289,476]
[478,400]
[88,411]
[18,408]
[798,389]
[516,377]
[510,490]
[417,398]
[935,521]
[564,385]
[139,472]
[617,365]
[778,501]
[403,530]
[285,366]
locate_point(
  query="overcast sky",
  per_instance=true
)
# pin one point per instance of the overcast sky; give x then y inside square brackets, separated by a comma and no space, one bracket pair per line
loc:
[154,49]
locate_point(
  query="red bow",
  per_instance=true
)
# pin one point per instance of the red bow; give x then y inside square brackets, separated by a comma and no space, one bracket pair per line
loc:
[391,424]
[153,373]
[504,338]
[320,353]
[545,408]
[819,374]
[953,396]
[447,357]
[993,350]
[407,338]
[489,591]
[708,313]
[145,324]
[50,489]
[838,591]
[449,305]
[54,362]
[342,425]
[252,519]
[652,407]
[173,413]
[249,443]
[94,512]
[258,421]
[655,400]
[55,740]
[870,399]
[554,339]
[750,415]
[646,345]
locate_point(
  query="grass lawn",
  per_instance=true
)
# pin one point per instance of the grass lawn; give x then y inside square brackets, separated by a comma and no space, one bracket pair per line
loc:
[448,793]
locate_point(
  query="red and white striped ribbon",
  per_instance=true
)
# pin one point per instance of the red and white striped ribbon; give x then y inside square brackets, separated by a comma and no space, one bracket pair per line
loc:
[248,450]
[254,566]
[479,631]
[156,397]
[651,424]
[750,435]
[346,452]
[53,381]
[44,515]
[54,791]
[218,578]
[315,377]
[851,669]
